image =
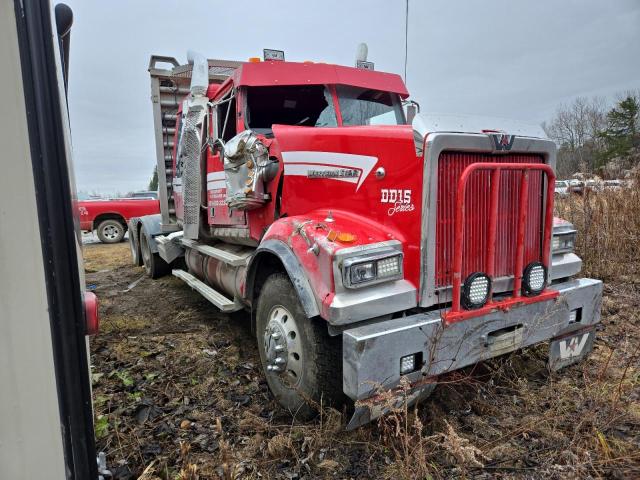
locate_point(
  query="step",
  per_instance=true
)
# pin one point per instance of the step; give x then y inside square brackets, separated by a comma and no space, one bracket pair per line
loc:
[215,297]
[227,257]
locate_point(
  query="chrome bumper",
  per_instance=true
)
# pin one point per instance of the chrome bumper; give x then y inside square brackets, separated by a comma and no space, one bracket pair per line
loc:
[355,306]
[371,353]
[564,265]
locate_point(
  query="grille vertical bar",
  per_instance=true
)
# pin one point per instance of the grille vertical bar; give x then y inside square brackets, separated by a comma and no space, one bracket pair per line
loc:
[475,246]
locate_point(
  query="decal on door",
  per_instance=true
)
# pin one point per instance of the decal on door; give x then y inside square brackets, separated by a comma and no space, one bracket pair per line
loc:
[344,167]
[215,180]
[401,200]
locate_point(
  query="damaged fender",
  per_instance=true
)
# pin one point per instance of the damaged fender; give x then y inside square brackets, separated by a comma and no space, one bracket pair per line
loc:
[293,269]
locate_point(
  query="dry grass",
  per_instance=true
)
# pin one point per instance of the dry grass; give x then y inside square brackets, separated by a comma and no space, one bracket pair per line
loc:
[608,226]
[100,256]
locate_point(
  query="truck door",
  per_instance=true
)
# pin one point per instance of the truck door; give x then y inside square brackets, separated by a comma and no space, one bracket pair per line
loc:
[224,127]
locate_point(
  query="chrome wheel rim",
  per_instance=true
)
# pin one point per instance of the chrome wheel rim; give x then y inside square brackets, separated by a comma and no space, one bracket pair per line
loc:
[282,346]
[111,232]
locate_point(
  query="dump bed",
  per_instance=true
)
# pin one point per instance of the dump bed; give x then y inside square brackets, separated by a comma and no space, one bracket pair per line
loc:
[169,85]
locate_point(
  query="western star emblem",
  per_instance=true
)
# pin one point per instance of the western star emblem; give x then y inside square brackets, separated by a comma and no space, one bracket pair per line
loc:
[335,173]
[573,347]
[502,141]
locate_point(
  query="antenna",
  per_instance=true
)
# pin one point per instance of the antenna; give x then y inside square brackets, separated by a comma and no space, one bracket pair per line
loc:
[406,39]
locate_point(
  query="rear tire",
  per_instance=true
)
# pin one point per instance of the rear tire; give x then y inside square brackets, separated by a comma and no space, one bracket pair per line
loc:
[111,231]
[302,363]
[136,255]
[155,266]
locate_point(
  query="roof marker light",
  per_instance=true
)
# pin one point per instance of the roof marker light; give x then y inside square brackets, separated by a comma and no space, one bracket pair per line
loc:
[273,55]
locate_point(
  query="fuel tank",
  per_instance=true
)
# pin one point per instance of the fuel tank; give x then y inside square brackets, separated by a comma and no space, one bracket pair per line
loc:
[221,276]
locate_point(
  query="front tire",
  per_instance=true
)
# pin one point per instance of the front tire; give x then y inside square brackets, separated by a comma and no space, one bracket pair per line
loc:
[155,266]
[302,363]
[110,231]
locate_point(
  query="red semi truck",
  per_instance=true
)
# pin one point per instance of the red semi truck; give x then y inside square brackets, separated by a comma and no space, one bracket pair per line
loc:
[373,252]
[109,217]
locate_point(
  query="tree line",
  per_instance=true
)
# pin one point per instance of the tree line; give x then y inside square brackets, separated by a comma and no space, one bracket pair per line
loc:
[594,138]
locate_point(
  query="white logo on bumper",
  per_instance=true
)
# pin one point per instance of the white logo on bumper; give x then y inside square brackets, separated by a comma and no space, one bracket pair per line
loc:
[573,347]
[344,167]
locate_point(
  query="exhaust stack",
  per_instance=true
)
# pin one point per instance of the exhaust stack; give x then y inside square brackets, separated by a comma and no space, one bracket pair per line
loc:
[189,149]
[199,73]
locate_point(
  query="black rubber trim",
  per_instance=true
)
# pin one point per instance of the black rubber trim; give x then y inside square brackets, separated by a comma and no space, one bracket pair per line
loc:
[58,235]
[292,267]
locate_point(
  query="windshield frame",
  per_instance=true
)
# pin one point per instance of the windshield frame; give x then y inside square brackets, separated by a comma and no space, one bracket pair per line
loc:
[333,89]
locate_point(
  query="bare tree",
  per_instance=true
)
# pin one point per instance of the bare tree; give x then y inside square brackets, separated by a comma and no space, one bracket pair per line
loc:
[576,128]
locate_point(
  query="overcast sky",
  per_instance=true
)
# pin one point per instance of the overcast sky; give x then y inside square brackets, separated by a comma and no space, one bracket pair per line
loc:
[492,57]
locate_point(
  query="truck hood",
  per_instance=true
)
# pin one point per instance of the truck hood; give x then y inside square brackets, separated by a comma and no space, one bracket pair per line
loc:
[425,123]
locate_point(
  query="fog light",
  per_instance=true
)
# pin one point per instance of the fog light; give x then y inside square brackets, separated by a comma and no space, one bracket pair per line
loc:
[475,291]
[534,278]
[407,364]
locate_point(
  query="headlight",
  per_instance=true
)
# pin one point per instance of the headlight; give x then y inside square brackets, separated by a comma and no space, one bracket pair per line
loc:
[367,270]
[475,291]
[563,238]
[362,273]
[563,242]
[534,279]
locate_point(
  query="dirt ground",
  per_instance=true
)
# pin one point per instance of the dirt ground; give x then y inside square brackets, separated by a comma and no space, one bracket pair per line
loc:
[179,393]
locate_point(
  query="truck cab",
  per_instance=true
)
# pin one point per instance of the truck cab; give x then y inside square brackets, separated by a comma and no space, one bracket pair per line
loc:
[296,109]
[371,253]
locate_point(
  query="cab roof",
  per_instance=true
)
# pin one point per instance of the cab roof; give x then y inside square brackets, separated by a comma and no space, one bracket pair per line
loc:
[274,73]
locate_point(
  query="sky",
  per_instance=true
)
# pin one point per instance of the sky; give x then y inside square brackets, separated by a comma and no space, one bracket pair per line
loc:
[505,58]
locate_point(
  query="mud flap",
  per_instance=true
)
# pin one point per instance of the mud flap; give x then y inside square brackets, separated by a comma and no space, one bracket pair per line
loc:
[570,348]
[369,409]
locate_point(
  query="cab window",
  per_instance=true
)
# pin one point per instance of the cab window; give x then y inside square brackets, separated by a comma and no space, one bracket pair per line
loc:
[361,106]
[226,117]
[307,105]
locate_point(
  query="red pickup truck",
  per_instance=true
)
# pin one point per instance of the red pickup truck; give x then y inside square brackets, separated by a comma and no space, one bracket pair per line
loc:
[109,217]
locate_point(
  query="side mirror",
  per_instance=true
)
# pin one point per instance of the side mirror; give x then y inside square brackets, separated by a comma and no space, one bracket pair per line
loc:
[412,111]
[413,108]
[64,20]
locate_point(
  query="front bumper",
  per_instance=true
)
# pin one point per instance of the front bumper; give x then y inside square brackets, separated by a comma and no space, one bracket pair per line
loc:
[371,353]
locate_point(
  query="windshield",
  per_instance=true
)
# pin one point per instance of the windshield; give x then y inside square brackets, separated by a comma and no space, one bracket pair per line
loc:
[310,106]
[360,106]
